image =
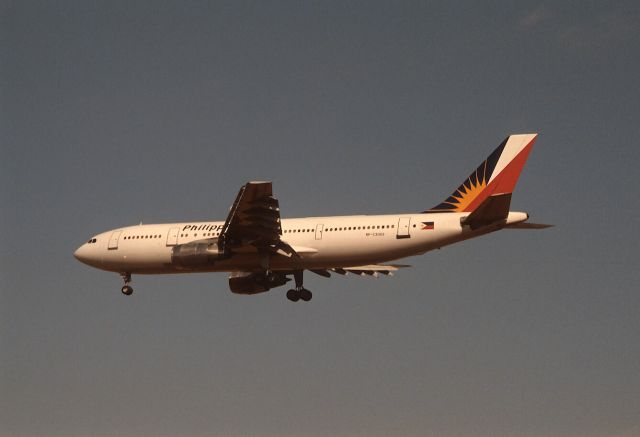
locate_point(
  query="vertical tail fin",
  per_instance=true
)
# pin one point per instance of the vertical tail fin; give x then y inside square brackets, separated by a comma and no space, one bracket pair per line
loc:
[498,174]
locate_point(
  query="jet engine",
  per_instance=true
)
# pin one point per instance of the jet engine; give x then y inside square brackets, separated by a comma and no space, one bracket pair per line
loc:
[199,253]
[254,283]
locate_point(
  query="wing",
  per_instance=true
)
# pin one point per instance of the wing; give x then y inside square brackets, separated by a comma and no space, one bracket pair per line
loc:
[254,220]
[371,270]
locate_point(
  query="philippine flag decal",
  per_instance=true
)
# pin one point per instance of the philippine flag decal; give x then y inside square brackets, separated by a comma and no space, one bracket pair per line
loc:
[427,226]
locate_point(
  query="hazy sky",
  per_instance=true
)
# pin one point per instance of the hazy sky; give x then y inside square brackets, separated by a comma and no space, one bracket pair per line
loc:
[114,113]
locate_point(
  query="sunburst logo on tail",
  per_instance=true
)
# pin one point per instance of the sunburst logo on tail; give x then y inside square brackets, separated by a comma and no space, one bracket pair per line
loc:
[473,186]
[467,192]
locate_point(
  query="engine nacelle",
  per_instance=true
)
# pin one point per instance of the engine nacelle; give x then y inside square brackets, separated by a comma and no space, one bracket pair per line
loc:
[201,253]
[254,283]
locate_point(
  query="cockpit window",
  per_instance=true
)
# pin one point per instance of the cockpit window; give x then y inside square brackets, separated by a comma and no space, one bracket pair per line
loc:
[93,240]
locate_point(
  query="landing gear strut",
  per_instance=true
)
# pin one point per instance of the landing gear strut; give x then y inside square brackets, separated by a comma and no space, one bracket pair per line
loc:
[126,289]
[295,294]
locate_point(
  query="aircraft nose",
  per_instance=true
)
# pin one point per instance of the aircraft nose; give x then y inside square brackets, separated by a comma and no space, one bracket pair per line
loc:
[81,253]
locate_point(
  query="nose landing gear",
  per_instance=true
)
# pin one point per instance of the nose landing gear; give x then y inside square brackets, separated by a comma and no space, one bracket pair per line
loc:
[295,294]
[126,289]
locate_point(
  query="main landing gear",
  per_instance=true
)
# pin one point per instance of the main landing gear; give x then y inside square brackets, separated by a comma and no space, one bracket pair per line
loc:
[295,294]
[126,289]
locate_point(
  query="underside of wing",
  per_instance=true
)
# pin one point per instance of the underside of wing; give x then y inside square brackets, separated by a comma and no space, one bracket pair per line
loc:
[368,270]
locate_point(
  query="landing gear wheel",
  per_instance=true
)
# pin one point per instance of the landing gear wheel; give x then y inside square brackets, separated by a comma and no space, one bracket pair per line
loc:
[305,295]
[299,292]
[126,289]
[293,295]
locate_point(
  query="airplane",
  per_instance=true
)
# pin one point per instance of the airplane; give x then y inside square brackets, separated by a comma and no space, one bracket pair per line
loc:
[261,251]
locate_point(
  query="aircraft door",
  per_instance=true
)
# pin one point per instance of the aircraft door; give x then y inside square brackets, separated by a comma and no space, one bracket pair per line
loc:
[403,227]
[113,240]
[172,236]
[319,231]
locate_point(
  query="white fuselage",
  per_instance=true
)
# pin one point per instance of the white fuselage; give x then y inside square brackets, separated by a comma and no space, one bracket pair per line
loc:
[320,242]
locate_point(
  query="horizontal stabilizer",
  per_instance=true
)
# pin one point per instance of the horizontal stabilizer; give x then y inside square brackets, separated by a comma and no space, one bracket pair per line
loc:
[494,209]
[528,226]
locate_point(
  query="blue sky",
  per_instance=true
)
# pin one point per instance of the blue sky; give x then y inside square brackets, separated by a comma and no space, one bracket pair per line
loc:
[119,112]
